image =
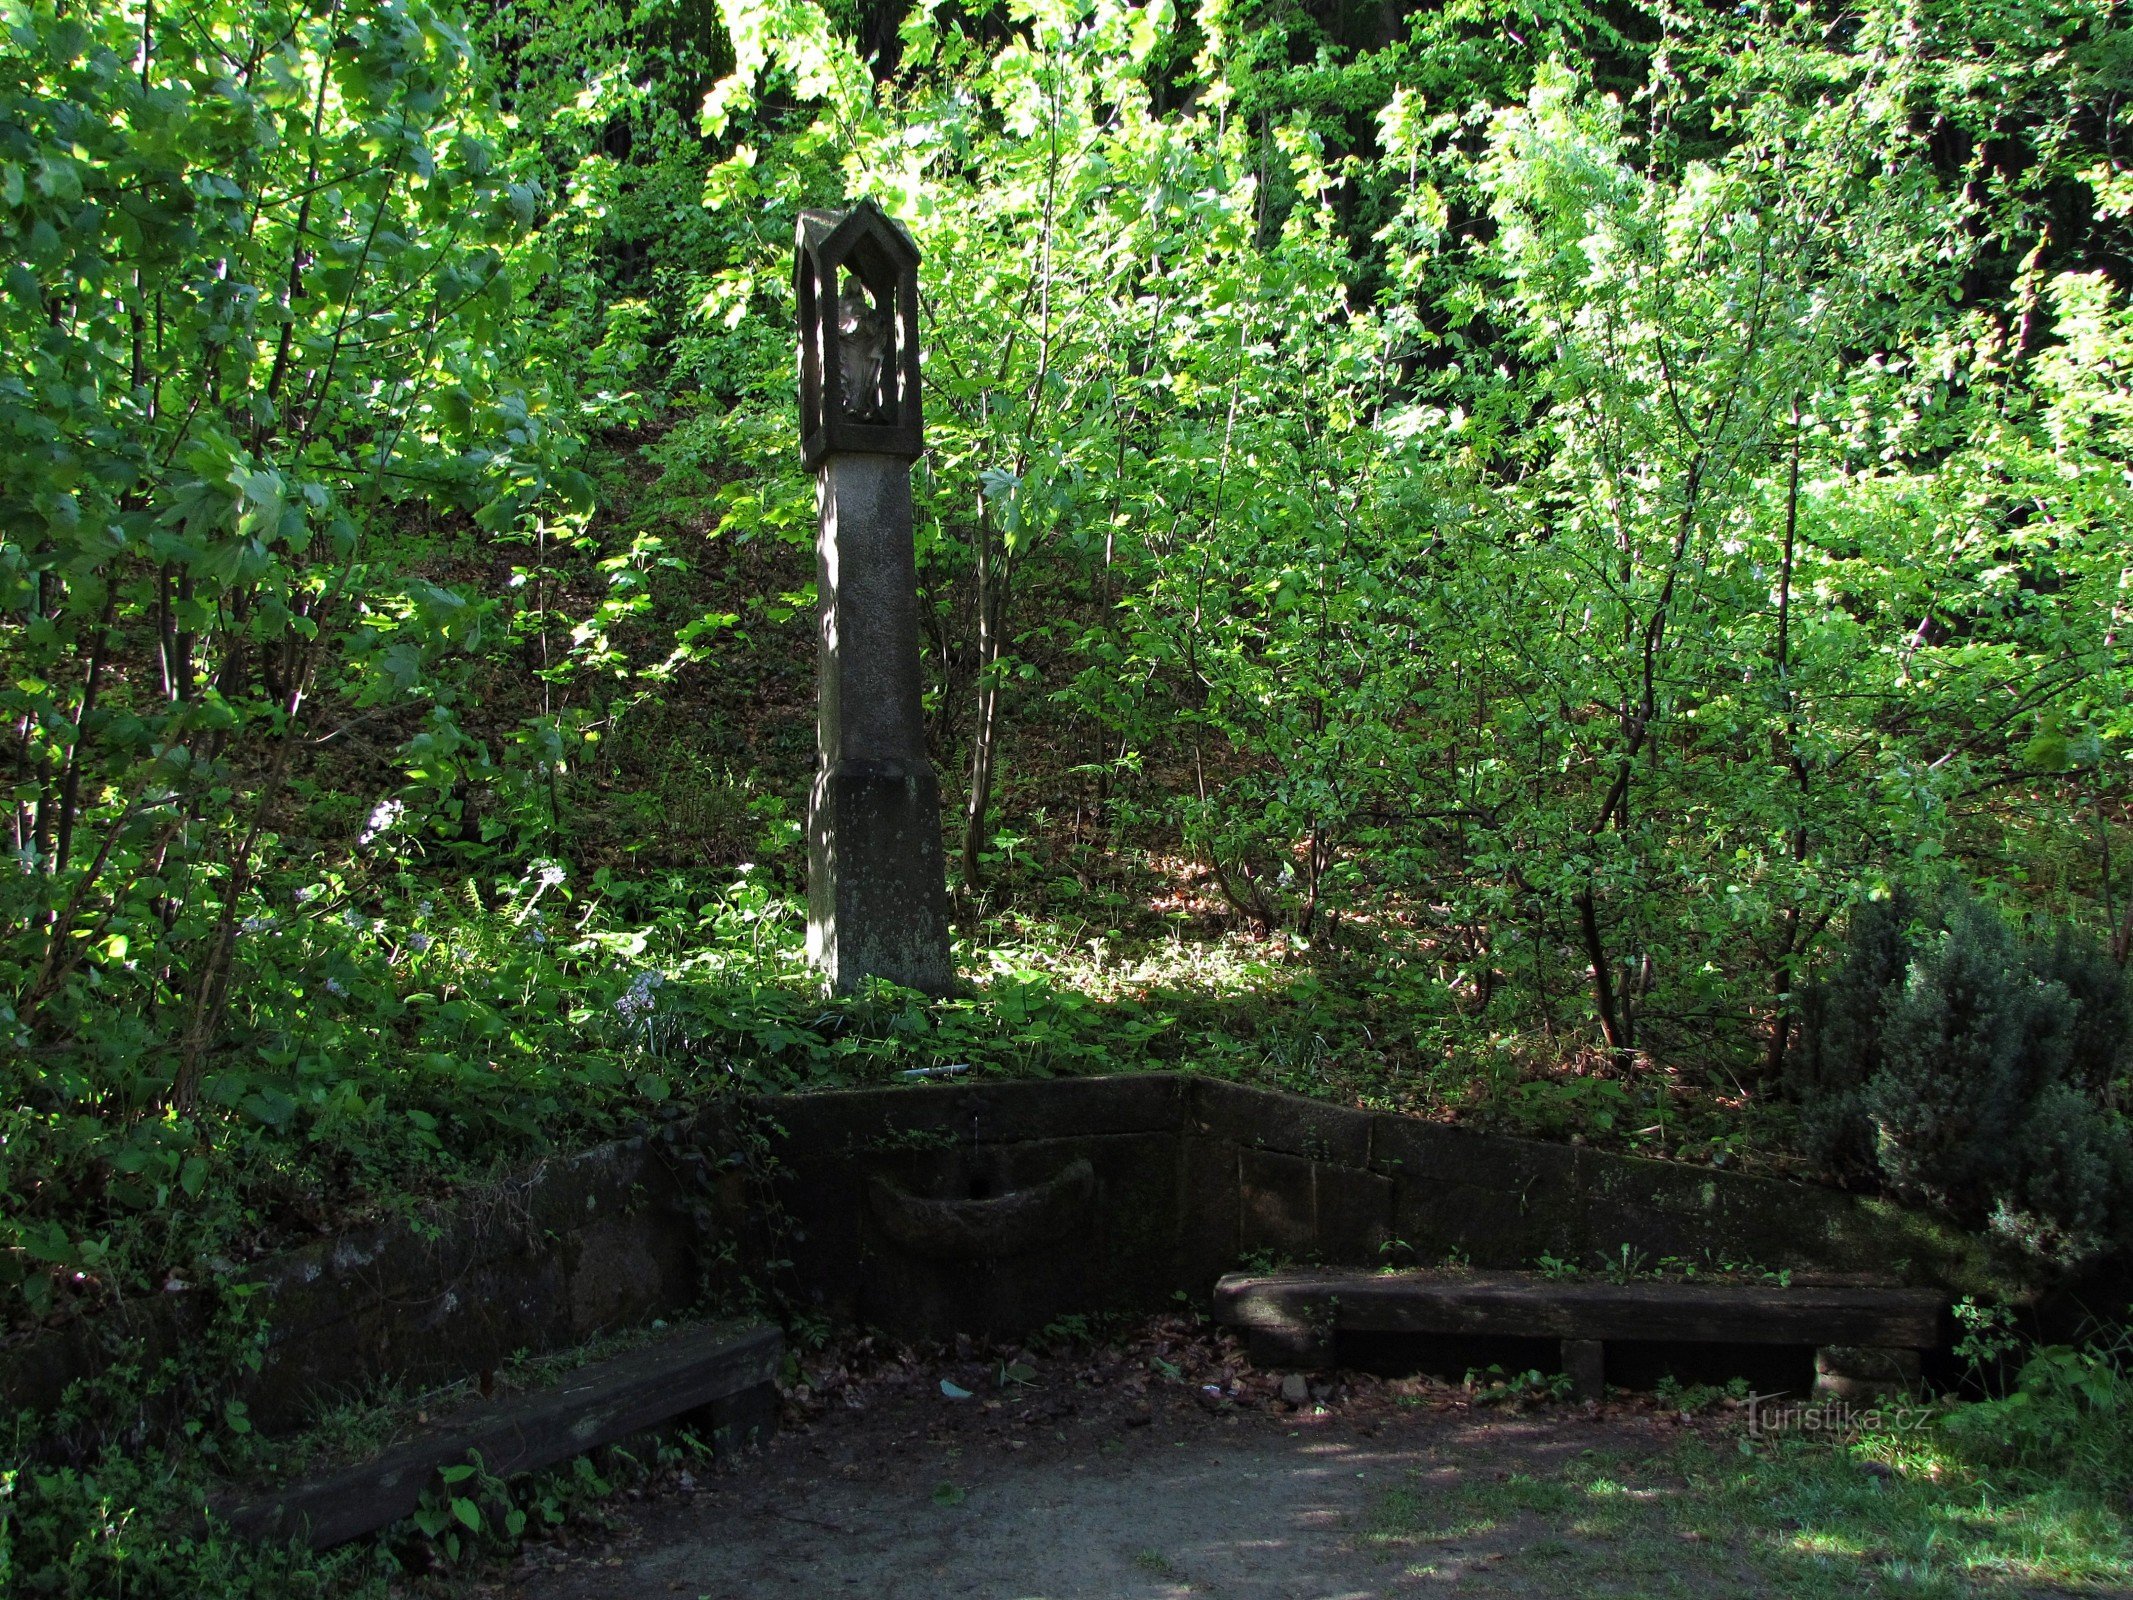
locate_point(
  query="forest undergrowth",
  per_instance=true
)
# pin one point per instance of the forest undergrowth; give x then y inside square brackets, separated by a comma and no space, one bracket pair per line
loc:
[1568,577]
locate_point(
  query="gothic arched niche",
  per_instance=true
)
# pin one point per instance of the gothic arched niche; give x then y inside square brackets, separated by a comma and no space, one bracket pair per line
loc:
[855,275]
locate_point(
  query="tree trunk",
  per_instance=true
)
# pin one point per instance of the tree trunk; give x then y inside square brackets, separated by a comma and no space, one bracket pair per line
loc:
[1783,975]
[1614,1026]
[984,735]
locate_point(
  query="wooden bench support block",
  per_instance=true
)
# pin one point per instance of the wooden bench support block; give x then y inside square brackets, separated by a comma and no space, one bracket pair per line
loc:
[1297,1345]
[723,1370]
[1864,1372]
[1585,1361]
[736,1422]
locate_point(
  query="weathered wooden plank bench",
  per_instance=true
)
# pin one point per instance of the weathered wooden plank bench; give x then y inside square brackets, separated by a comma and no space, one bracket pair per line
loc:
[720,1373]
[1866,1339]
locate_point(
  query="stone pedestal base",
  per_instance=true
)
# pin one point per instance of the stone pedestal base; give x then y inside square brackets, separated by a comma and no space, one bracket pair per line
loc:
[877,903]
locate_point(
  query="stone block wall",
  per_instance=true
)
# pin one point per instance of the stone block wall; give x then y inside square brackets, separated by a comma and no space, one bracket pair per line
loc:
[564,1250]
[982,1208]
[1272,1175]
[571,1248]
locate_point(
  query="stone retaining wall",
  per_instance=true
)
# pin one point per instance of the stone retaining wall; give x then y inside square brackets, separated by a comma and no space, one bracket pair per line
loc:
[986,1208]
[569,1248]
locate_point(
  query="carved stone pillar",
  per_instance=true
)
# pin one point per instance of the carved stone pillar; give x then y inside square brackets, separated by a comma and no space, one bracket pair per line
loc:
[877,898]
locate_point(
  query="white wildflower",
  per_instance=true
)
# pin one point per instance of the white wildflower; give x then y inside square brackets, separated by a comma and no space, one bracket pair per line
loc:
[636,1001]
[384,817]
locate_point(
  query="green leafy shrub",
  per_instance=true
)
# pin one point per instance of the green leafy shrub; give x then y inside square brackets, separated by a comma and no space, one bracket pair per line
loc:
[120,1526]
[2068,1418]
[1963,1066]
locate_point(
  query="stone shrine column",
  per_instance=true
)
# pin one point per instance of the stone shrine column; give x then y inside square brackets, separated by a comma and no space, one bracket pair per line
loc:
[877,895]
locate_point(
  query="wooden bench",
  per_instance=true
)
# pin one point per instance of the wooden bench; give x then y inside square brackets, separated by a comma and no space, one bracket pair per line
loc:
[717,1375]
[1867,1340]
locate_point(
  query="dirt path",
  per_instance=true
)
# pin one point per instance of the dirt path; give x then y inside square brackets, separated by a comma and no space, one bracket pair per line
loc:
[1181,1507]
[1166,1468]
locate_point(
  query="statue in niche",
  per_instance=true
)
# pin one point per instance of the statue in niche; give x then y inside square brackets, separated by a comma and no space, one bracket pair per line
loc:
[862,342]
